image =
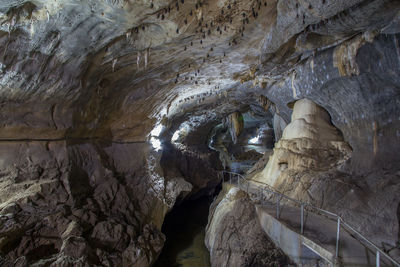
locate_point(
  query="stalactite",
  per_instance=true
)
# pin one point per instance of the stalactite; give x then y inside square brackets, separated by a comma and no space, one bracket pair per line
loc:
[375,138]
[114,62]
[138,59]
[32,29]
[146,55]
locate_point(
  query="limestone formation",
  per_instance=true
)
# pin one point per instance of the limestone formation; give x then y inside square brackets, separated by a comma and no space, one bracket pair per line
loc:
[309,142]
[93,92]
[72,205]
[234,236]
[308,162]
[235,124]
[279,126]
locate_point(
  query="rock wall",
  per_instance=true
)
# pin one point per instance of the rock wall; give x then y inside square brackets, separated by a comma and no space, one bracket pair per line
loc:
[200,169]
[307,164]
[73,203]
[234,236]
[362,106]
[279,125]
[83,84]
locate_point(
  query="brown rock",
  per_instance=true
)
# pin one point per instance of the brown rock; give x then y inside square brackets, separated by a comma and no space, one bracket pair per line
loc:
[234,236]
[75,247]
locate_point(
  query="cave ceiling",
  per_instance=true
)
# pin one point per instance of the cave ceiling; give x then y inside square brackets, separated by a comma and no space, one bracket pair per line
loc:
[115,69]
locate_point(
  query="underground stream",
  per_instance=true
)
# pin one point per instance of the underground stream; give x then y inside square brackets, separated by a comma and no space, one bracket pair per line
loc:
[184,228]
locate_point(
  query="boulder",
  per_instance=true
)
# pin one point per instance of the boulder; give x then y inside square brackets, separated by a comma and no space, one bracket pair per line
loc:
[234,236]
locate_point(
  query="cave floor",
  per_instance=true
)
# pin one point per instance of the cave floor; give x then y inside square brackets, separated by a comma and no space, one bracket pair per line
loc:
[184,228]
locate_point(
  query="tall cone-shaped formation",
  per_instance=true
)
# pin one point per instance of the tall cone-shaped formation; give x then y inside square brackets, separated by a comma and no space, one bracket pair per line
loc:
[309,142]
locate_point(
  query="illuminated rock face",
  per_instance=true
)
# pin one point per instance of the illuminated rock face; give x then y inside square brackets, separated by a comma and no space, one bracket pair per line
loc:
[309,142]
[83,83]
[308,164]
[233,229]
[76,201]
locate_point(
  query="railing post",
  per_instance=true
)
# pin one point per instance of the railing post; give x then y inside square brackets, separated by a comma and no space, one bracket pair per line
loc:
[337,237]
[270,193]
[302,219]
[378,261]
[277,206]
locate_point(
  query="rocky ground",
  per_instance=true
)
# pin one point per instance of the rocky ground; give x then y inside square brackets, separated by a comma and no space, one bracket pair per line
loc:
[78,204]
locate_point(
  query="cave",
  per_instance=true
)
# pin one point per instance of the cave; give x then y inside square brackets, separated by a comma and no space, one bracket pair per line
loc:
[200,133]
[184,229]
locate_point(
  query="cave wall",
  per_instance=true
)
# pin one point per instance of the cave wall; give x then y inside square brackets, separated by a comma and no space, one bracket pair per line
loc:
[83,84]
[199,168]
[363,106]
[234,236]
[74,203]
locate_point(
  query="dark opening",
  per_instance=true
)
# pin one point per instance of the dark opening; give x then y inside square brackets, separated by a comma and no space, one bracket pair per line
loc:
[41,252]
[184,228]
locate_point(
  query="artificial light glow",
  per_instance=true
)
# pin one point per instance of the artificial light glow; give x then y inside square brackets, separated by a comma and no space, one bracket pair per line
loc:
[155,143]
[154,134]
[254,140]
[157,130]
[175,136]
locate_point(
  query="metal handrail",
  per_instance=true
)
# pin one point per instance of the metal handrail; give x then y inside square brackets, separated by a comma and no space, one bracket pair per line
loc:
[340,221]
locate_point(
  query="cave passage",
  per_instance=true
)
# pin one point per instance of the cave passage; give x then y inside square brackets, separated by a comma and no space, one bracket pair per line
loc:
[120,121]
[184,228]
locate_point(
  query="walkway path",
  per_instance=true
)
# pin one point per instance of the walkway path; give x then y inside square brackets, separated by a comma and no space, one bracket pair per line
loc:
[318,232]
